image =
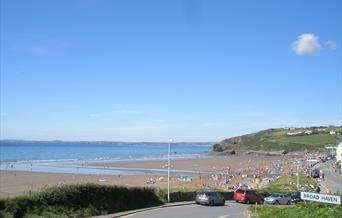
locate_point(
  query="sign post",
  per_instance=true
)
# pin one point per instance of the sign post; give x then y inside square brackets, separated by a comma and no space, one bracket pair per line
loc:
[328,199]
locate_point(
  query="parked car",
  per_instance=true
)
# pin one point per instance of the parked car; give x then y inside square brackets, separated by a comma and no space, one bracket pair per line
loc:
[278,199]
[210,198]
[295,197]
[248,196]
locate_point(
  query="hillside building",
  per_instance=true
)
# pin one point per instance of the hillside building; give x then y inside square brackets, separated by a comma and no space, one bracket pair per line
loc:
[294,133]
[339,154]
[308,132]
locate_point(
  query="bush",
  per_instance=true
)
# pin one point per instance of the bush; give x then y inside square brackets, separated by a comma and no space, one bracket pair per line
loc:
[89,200]
[81,200]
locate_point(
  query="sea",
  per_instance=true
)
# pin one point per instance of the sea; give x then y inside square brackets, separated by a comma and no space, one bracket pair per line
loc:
[78,157]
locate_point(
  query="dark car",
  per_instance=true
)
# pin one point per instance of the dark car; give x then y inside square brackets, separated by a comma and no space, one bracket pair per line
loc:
[248,196]
[315,173]
[295,197]
[210,198]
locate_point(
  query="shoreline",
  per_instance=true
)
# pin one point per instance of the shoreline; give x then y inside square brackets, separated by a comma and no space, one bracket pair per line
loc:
[97,167]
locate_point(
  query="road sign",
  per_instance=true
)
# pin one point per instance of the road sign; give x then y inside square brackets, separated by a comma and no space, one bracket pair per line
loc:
[329,199]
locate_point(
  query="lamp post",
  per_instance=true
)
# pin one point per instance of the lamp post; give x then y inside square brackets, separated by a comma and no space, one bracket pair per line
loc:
[298,162]
[168,169]
[310,166]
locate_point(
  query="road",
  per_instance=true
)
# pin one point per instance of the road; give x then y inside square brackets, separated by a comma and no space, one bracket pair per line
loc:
[332,180]
[196,211]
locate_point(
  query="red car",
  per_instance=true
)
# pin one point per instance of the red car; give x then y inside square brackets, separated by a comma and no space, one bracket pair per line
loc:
[248,196]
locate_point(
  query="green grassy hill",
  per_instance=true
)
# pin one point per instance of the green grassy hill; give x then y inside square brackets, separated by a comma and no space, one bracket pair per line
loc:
[283,139]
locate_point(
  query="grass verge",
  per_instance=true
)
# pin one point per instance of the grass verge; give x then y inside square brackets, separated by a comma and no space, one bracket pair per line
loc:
[288,184]
[302,210]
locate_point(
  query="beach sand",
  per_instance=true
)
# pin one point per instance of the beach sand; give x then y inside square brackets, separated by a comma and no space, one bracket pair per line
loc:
[210,164]
[13,183]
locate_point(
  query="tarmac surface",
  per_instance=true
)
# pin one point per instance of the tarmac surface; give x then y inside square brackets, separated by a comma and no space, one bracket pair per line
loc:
[332,180]
[187,210]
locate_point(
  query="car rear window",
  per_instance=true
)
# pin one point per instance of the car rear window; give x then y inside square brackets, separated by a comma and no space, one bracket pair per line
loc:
[240,191]
[219,194]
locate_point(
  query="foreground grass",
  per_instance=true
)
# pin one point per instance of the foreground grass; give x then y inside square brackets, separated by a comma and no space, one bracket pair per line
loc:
[287,185]
[302,210]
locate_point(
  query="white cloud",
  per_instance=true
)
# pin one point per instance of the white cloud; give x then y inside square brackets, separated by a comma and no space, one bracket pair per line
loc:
[306,43]
[331,44]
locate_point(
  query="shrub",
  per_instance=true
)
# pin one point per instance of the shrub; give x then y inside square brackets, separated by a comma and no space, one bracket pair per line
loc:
[81,200]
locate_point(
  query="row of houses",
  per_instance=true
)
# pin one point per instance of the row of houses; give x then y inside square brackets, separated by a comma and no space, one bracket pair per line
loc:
[309,132]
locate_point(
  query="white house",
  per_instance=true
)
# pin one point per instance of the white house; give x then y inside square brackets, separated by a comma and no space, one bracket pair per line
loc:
[339,152]
[308,132]
[294,133]
[332,133]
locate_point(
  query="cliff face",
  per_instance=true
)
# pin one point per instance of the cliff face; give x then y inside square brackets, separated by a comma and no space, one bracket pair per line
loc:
[231,143]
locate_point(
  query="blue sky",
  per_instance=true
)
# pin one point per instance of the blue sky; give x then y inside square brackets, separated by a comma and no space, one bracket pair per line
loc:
[149,70]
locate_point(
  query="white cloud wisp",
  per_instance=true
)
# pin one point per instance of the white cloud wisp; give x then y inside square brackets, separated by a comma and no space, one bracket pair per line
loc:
[306,43]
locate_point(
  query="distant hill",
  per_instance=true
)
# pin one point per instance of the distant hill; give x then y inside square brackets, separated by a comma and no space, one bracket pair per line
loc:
[283,140]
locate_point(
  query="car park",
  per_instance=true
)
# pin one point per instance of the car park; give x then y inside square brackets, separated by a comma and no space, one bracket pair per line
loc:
[247,196]
[210,198]
[278,199]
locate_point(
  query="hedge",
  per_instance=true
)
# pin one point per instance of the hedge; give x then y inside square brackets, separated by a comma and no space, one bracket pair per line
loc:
[81,200]
[75,200]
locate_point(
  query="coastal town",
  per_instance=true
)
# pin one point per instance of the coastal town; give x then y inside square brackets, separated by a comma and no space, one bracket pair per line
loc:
[170,109]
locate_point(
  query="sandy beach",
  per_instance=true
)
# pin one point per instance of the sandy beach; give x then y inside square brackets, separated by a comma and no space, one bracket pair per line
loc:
[210,164]
[219,171]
